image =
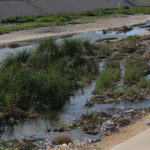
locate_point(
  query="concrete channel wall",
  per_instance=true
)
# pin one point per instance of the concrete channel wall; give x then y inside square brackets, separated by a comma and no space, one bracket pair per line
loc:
[9,8]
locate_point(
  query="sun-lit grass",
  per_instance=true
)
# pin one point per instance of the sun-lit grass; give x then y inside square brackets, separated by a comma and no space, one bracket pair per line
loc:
[106,79]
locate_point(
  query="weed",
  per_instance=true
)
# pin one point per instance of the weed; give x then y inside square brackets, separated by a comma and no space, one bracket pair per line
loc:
[134,70]
[106,80]
[144,82]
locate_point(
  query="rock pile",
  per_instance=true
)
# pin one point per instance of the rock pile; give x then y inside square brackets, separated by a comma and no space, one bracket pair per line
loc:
[74,145]
[77,145]
[107,123]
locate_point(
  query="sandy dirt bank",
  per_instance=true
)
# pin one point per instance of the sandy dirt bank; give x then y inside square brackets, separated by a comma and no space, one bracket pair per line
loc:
[138,142]
[125,133]
[57,31]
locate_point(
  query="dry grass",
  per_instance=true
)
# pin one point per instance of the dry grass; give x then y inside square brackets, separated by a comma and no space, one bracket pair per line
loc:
[62,139]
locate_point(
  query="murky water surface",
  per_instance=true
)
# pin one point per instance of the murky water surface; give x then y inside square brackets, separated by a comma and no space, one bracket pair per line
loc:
[99,35]
[75,106]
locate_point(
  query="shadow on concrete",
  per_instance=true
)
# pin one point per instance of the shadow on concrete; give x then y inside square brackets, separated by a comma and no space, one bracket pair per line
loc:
[129,2]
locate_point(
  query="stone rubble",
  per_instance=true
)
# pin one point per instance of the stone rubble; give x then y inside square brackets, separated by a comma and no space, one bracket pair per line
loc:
[77,145]
[105,122]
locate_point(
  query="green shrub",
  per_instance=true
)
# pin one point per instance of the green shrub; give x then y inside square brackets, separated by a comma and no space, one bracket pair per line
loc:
[103,50]
[44,78]
[106,79]
[47,52]
[133,38]
[144,82]
[134,70]
[76,47]
[111,63]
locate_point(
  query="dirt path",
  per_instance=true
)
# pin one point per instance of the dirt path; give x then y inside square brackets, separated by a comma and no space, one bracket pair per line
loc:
[125,133]
[138,142]
[57,31]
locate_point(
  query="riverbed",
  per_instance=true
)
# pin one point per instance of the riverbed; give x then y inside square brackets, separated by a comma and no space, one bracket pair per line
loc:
[75,107]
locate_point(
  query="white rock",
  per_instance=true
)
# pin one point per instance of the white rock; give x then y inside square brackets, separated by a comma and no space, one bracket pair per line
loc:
[131,110]
[64,146]
[70,145]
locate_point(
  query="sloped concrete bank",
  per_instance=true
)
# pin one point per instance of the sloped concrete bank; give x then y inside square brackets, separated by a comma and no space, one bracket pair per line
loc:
[9,8]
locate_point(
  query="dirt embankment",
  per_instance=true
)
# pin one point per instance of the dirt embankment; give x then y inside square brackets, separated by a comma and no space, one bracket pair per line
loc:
[57,31]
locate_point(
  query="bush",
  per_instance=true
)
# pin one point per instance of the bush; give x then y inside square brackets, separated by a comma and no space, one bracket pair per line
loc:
[20,57]
[144,82]
[133,38]
[134,70]
[47,52]
[45,78]
[76,47]
[106,80]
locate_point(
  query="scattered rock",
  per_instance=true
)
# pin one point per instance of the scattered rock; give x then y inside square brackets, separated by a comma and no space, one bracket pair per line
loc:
[92,132]
[109,121]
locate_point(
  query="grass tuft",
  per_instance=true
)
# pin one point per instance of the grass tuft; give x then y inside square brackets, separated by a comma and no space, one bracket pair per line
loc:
[45,78]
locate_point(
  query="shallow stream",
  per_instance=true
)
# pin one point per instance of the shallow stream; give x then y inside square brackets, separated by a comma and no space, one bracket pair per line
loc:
[76,105]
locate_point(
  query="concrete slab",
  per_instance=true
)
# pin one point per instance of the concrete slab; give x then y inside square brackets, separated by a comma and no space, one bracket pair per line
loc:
[9,8]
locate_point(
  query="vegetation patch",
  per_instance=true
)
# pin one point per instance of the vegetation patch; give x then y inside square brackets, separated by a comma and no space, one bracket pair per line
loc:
[106,79]
[144,82]
[111,75]
[45,78]
[133,38]
[134,70]
[125,73]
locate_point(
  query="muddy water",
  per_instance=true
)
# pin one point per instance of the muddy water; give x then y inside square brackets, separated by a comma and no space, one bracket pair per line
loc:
[72,110]
[99,35]
[75,107]
[91,36]
[4,52]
